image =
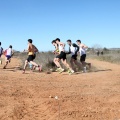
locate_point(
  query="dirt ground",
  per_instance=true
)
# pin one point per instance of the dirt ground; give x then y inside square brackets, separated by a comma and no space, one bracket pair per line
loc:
[83,96]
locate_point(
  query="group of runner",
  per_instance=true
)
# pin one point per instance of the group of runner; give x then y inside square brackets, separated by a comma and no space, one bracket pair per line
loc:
[74,50]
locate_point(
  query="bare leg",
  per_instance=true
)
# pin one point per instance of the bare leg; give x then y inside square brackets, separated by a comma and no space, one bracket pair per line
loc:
[57,62]
[26,63]
[78,64]
[33,63]
[6,63]
[72,63]
[36,65]
[66,64]
[84,64]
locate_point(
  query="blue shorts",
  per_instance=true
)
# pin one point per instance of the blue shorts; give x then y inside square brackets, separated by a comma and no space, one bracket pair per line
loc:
[8,57]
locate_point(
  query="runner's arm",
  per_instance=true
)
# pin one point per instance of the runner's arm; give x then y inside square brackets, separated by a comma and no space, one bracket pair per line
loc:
[84,46]
[62,44]
[28,48]
[36,49]
[56,47]
[12,53]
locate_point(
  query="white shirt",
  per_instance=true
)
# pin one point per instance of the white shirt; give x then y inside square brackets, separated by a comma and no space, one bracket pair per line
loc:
[82,51]
[73,50]
[9,51]
[61,48]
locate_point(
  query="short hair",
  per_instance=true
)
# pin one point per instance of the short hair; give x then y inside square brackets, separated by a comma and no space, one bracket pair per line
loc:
[30,40]
[54,41]
[78,41]
[57,39]
[10,46]
[69,41]
[0,43]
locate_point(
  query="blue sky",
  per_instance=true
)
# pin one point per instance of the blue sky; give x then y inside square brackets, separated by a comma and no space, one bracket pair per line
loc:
[92,21]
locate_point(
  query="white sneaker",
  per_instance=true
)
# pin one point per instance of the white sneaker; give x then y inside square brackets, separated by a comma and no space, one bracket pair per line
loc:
[71,72]
[84,70]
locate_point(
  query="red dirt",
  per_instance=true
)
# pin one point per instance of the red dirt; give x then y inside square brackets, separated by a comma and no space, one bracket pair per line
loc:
[89,96]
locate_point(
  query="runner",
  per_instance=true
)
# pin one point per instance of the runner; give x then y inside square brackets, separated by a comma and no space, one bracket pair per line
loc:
[31,56]
[1,52]
[62,56]
[82,50]
[73,50]
[32,67]
[56,52]
[8,54]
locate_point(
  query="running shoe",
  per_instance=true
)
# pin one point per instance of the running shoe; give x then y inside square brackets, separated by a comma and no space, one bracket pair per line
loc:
[23,72]
[71,72]
[58,69]
[68,71]
[61,70]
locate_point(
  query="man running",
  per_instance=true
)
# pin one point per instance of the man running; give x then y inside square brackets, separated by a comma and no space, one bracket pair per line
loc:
[1,52]
[56,52]
[73,50]
[31,66]
[62,56]
[31,56]
[8,54]
[82,50]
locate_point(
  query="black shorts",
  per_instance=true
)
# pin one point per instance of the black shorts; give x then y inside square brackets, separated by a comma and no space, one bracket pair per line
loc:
[34,56]
[8,57]
[30,58]
[83,58]
[62,55]
[74,57]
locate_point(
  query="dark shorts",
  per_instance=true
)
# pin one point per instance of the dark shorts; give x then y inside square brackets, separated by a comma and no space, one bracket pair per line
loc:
[8,57]
[30,58]
[83,58]
[0,55]
[62,55]
[74,57]
[34,56]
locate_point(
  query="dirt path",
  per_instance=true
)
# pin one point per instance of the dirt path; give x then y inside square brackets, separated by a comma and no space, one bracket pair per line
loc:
[89,96]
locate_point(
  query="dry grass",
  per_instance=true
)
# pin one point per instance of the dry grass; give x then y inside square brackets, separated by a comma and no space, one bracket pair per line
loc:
[112,56]
[46,60]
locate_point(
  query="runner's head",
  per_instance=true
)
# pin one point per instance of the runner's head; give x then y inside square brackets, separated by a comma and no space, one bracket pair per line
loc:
[57,40]
[0,43]
[78,42]
[30,41]
[69,42]
[10,46]
[53,42]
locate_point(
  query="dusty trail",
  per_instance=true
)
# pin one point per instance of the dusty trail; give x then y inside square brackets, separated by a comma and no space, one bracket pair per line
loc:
[90,96]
